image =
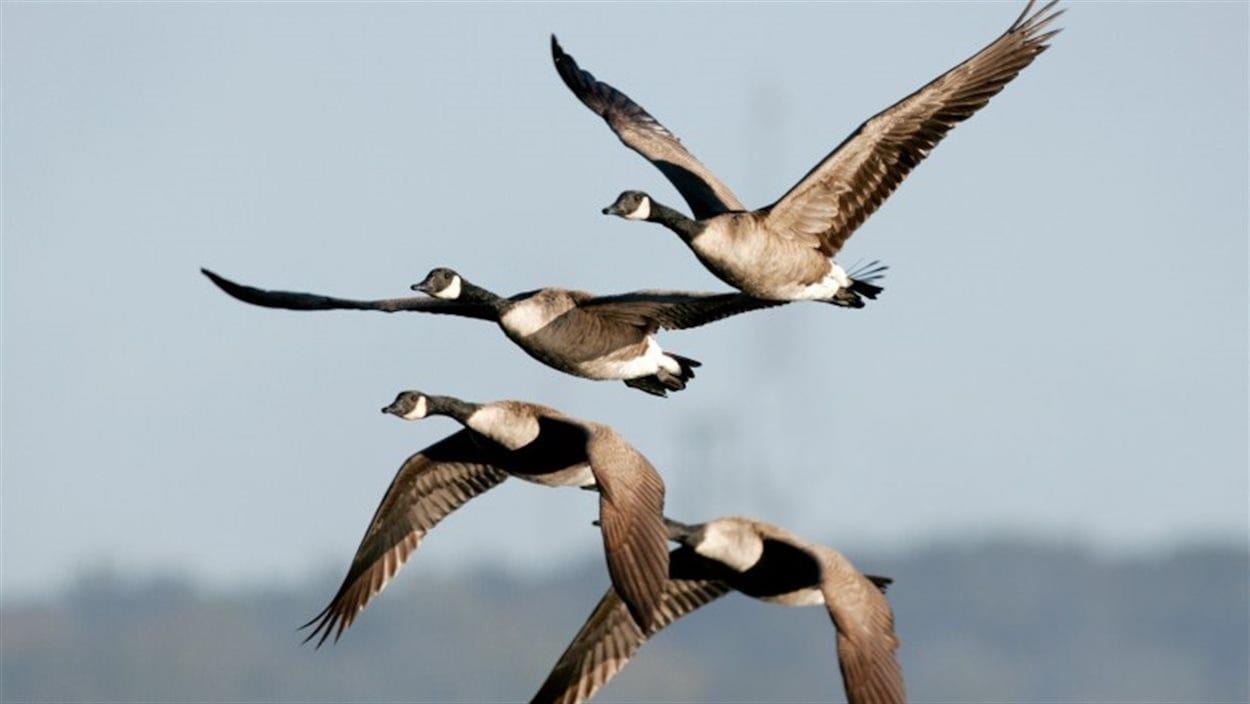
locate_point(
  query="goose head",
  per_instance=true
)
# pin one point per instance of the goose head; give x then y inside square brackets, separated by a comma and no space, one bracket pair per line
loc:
[631,205]
[409,405]
[415,405]
[441,283]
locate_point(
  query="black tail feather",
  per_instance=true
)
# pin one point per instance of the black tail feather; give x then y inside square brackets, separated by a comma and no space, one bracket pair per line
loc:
[649,384]
[862,285]
[879,582]
[660,383]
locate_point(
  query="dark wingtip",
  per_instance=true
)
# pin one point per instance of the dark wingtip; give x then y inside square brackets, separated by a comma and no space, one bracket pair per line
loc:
[222,282]
[246,294]
[569,71]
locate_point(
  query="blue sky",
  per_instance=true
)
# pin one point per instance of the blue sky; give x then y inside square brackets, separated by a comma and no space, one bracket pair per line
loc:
[1061,349]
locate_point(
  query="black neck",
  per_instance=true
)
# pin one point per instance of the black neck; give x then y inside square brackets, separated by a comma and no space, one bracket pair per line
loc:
[476,294]
[453,407]
[674,220]
[678,532]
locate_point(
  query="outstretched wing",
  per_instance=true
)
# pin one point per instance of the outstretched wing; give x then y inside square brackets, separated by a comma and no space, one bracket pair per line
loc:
[837,196]
[673,310]
[631,518]
[430,485]
[705,194]
[610,637]
[293,300]
[866,642]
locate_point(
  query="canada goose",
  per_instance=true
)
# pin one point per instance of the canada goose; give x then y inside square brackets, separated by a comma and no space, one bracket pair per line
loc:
[760,560]
[784,251]
[502,439]
[595,337]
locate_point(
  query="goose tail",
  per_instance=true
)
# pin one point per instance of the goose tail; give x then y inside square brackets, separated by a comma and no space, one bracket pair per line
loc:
[863,284]
[879,582]
[664,381]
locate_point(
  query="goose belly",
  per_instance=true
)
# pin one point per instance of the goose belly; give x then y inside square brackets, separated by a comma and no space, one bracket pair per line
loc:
[612,356]
[808,596]
[577,475]
[579,344]
[630,363]
[760,263]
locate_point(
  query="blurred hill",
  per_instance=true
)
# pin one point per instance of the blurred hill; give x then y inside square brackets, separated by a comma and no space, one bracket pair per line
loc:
[1001,621]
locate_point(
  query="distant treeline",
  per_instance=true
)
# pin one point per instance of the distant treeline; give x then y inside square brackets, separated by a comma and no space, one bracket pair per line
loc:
[1016,621]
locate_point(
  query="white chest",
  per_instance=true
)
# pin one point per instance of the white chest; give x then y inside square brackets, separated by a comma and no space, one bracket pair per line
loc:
[508,428]
[527,318]
[730,545]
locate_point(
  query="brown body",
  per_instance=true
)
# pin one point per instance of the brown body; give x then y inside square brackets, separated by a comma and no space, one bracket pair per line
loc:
[740,250]
[776,252]
[760,560]
[523,440]
[594,337]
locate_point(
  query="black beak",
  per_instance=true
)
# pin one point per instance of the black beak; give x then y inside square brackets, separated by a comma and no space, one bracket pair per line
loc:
[611,210]
[423,287]
[393,409]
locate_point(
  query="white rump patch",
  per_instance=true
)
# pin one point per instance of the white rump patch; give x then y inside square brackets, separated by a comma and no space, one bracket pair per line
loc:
[732,544]
[508,428]
[828,287]
[649,362]
[419,410]
[642,212]
[450,291]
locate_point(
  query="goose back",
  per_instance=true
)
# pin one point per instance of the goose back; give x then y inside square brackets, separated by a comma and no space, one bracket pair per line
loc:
[533,443]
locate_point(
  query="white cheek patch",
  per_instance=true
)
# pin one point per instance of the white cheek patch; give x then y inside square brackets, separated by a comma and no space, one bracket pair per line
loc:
[642,212]
[510,429]
[418,411]
[450,291]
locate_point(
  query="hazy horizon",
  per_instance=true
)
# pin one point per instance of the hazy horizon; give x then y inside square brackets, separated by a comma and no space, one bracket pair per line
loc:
[992,622]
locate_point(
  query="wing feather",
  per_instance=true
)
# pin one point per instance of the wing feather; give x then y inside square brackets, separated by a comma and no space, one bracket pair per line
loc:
[673,310]
[631,510]
[429,486]
[837,196]
[870,669]
[638,130]
[294,300]
[611,637]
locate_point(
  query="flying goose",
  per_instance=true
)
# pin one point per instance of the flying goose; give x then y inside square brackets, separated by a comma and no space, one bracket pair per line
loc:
[502,439]
[784,251]
[760,560]
[595,337]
